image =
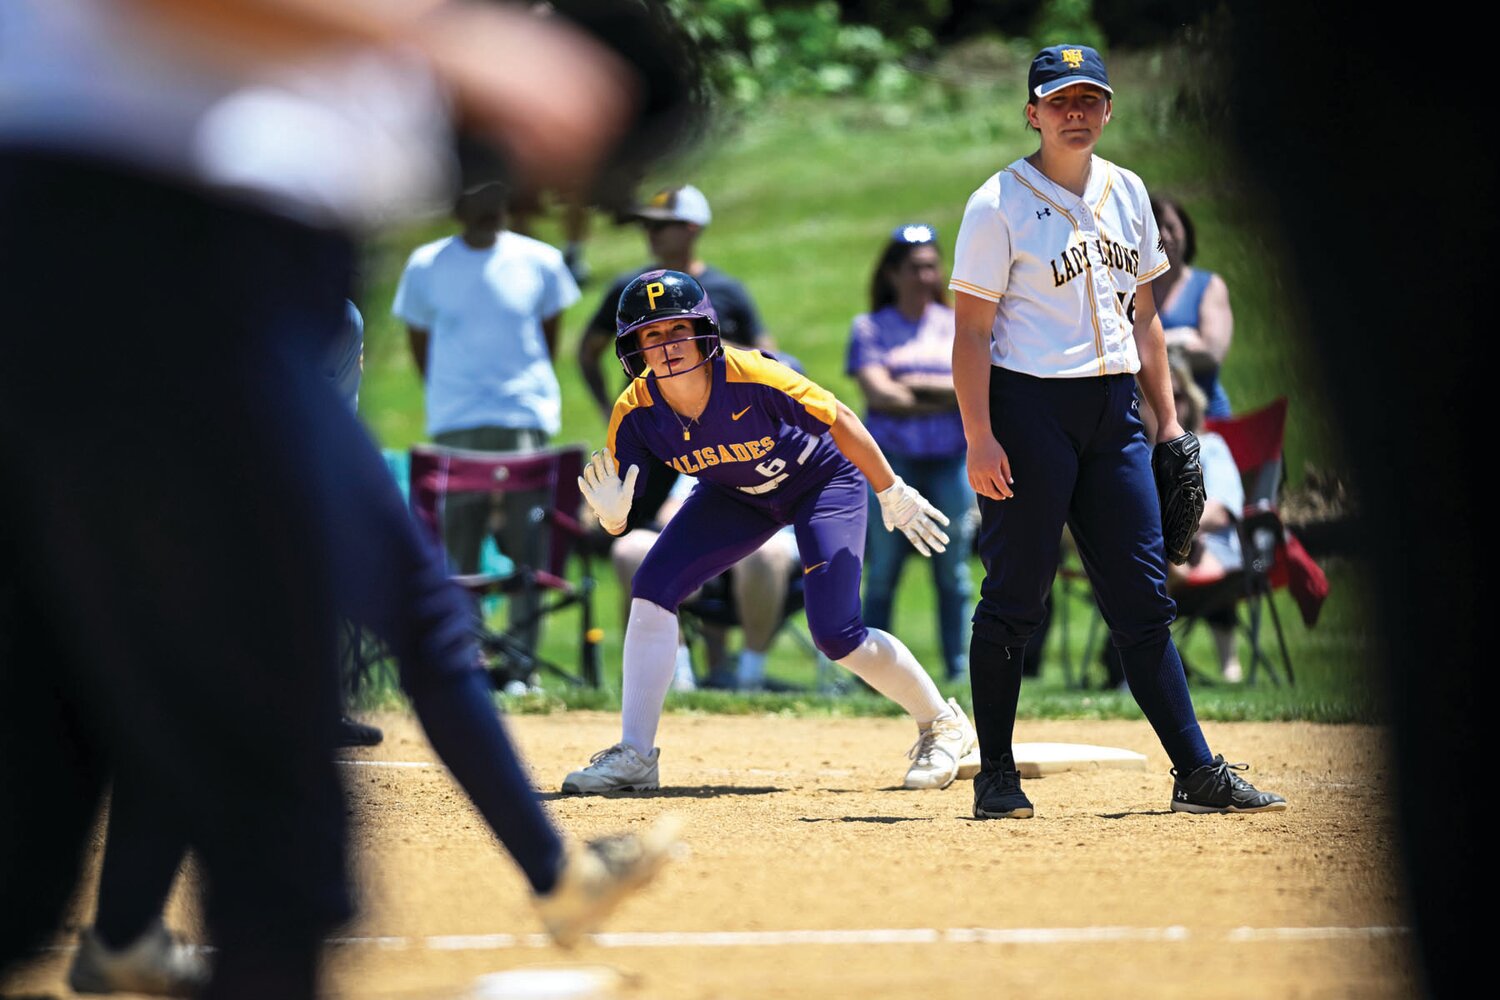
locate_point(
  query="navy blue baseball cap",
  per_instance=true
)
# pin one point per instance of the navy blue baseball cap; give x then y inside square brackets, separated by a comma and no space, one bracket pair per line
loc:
[1064,65]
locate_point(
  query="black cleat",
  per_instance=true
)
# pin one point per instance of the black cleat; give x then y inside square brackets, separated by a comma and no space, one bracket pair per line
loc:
[1215,788]
[357,734]
[997,791]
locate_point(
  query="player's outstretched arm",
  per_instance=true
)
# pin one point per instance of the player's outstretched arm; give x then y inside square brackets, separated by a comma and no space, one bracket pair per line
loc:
[901,506]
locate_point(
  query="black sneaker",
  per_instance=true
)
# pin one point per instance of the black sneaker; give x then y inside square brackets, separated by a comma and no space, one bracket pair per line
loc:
[1215,788]
[357,734]
[997,791]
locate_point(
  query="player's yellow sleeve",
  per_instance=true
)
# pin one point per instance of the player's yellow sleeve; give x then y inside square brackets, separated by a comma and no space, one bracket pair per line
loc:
[753,366]
[635,396]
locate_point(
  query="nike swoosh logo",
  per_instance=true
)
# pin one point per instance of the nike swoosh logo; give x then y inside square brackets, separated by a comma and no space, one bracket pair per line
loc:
[736,416]
[809,569]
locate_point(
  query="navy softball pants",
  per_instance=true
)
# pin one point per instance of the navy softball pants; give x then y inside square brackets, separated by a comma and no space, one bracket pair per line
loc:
[1078,456]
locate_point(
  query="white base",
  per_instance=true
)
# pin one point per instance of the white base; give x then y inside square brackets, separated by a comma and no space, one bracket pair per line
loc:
[590,982]
[1036,760]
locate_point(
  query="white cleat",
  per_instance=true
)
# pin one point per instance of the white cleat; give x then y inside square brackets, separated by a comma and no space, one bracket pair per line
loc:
[597,876]
[945,751]
[156,964]
[616,769]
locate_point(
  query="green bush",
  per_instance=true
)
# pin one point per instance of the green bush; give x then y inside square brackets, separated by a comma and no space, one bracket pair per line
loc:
[755,49]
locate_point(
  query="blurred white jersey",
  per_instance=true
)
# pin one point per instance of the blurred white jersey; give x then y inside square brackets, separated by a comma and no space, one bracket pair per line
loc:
[351,138]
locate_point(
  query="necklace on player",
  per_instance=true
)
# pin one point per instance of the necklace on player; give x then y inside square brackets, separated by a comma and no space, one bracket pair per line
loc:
[687,434]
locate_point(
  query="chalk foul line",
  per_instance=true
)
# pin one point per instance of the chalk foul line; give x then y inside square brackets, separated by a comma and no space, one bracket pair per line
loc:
[872,936]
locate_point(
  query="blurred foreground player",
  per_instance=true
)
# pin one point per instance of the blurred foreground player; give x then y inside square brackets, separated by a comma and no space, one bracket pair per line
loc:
[405,598]
[181,131]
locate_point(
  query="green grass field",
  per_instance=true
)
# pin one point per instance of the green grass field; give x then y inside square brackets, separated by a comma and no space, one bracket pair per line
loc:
[803,195]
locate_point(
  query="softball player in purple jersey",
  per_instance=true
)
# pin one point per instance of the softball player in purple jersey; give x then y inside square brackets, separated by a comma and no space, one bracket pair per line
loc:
[1056,330]
[769,448]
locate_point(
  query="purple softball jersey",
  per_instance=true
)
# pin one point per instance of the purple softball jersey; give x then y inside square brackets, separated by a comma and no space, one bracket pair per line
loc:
[763,434]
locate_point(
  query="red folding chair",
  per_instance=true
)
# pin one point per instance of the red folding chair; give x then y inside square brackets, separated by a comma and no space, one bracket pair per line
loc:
[438,473]
[1271,554]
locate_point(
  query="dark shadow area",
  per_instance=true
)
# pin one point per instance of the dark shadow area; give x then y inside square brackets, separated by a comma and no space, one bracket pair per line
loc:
[1317,97]
[693,792]
[883,820]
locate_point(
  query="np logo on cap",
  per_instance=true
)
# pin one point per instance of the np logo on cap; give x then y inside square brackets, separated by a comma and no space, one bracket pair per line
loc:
[1063,66]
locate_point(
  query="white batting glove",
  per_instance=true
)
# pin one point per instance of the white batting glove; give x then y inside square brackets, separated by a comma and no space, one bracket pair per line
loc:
[903,507]
[607,495]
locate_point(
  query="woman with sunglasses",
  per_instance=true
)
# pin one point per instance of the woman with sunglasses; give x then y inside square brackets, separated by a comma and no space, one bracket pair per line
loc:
[1057,338]
[769,449]
[901,351]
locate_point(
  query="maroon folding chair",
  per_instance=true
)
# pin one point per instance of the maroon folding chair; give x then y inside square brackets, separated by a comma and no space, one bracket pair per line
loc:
[438,473]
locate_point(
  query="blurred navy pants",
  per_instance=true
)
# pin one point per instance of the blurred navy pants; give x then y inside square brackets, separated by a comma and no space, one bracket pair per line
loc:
[164,564]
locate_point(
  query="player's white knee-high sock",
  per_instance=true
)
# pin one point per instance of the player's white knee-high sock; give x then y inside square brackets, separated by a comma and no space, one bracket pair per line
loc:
[650,659]
[883,662]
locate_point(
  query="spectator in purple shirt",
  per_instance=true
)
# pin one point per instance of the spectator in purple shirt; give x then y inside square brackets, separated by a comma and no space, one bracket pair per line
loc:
[901,351]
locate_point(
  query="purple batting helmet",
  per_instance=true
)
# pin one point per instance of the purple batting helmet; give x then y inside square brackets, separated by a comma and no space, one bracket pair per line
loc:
[659,295]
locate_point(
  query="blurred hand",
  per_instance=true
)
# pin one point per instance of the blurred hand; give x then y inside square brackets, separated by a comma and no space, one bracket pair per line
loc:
[552,98]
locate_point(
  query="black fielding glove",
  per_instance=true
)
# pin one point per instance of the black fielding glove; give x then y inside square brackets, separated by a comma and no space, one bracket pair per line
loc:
[1179,485]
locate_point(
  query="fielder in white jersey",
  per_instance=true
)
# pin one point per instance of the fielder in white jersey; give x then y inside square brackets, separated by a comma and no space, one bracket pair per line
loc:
[1062,268]
[1057,340]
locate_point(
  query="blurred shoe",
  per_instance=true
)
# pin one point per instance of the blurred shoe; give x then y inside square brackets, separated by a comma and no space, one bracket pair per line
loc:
[1215,788]
[1233,672]
[720,680]
[750,672]
[946,750]
[616,769]
[997,791]
[357,734]
[156,964]
[598,875]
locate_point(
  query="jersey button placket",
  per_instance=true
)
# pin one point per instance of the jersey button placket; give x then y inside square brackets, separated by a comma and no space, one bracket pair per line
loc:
[1104,288]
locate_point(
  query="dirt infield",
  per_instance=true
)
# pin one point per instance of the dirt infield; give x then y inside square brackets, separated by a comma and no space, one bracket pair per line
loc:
[822,879]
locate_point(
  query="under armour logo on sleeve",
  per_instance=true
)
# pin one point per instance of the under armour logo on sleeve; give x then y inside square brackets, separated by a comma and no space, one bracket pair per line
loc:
[1045,211]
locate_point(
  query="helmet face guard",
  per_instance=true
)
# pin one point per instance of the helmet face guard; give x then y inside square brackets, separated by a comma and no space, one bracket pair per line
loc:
[661,295]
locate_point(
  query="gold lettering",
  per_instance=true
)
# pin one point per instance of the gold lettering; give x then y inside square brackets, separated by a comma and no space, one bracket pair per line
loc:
[741,453]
